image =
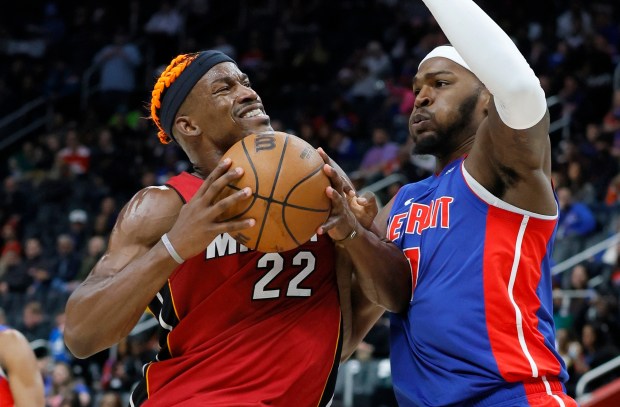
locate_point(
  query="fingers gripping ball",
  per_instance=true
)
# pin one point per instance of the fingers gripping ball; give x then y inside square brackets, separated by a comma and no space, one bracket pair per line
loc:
[289,203]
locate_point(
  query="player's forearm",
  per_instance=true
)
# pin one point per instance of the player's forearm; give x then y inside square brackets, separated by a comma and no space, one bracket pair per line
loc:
[359,314]
[106,307]
[383,272]
[488,50]
[29,395]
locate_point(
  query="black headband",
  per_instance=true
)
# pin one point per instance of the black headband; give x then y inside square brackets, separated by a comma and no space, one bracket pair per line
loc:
[179,89]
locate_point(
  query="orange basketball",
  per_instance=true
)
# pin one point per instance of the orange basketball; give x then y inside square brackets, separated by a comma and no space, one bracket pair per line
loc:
[289,203]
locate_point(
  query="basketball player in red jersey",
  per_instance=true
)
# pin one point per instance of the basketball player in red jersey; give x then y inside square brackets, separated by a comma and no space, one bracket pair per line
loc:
[238,327]
[21,384]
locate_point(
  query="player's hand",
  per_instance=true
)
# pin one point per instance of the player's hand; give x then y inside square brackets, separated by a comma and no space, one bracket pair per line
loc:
[346,183]
[364,207]
[341,221]
[197,224]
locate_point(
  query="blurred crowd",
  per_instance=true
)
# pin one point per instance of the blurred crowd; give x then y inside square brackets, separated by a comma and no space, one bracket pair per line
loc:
[336,73]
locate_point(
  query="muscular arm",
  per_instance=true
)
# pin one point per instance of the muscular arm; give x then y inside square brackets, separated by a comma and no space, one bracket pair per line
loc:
[380,268]
[383,272]
[107,305]
[20,363]
[358,312]
[511,154]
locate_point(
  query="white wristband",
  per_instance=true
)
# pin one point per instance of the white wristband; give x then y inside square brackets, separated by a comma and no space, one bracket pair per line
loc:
[173,253]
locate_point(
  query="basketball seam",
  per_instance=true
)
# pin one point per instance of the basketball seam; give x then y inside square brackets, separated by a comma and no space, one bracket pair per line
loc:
[285,204]
[273,188]
[265,198]
[235,188]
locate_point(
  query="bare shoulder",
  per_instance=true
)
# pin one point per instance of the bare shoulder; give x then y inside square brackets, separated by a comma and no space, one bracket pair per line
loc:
[15,341]
[150,213]
[11,336]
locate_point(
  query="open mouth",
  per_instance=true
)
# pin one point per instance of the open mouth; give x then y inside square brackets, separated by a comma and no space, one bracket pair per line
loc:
[253,113]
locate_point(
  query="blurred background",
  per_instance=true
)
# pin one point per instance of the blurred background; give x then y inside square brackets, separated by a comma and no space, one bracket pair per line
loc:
[76,144]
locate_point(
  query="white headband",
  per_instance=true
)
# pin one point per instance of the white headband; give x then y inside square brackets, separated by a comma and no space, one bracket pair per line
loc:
[446,51]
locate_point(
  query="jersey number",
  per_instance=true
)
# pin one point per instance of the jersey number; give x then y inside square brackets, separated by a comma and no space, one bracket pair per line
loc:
[275,263]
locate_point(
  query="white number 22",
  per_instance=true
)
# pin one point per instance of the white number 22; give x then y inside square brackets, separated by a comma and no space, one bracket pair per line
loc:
[275,262]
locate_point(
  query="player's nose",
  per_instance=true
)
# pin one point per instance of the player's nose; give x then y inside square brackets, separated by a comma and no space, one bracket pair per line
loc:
[245,94]
[423,98]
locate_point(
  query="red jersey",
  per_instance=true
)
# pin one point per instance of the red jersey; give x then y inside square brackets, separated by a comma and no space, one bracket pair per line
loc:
[6,397]
[245,328]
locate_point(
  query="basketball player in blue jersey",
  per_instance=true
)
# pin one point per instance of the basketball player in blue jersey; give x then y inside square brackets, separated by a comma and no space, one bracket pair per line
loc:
[471,325]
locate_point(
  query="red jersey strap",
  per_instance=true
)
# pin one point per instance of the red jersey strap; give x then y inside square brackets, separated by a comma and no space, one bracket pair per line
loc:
[6,399]
[185,184]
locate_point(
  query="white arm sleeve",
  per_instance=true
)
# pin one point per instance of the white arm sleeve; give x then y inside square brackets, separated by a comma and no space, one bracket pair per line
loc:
[494,59]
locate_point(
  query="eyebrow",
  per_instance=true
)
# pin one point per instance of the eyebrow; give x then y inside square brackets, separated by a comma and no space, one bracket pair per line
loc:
[432,74]
[231,78]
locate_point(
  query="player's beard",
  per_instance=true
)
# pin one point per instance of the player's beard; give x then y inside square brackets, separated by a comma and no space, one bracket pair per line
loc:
[448,136]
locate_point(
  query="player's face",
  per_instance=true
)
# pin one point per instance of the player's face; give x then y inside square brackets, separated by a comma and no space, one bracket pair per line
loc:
[225,107]
[444,114]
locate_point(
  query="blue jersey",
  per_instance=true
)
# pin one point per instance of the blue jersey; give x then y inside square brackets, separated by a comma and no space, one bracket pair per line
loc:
[479,327]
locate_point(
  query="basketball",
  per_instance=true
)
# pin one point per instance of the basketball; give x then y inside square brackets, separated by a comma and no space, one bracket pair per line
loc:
[288,185]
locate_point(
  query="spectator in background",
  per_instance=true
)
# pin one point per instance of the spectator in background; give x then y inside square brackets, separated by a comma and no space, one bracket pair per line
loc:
[574,24]
[57,347]
[596,350]
[61,386]
[10,240]
[105,218]
[117,63]
[343,149]
[75,154]
[78,229]
[110,399]
[33,324]
[11,282]
[94,250]
[581,188]
[569,349]
[37,270]
[13,202]
[381,159]
[576,222]
[16,282]
[377,60]
[222,44]
[66,264]
[163,30]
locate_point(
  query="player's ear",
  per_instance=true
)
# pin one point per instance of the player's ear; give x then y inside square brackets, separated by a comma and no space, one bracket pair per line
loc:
[186,126]
[484,100]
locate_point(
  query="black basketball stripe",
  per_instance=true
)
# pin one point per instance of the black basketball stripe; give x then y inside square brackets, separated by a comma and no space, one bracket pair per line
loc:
[254,198]
[286,205]
[273,188]
[301,181]
[275,201]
